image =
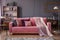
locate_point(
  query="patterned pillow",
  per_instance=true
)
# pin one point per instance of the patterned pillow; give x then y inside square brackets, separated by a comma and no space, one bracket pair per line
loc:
[14,23]
[19,23]
[23,23]
[28,23]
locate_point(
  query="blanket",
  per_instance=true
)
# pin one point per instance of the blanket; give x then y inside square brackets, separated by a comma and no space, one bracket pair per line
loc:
[42,27]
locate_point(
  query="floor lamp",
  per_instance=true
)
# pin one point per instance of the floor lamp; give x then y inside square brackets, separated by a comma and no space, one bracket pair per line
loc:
[55,16]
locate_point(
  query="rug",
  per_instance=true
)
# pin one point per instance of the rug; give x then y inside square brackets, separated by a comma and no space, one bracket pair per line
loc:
[43,38]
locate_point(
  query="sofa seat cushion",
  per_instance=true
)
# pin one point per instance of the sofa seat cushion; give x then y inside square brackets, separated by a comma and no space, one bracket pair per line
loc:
[25,30]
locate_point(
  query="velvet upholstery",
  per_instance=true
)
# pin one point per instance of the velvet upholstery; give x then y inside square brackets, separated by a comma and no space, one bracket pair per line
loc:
[27,29]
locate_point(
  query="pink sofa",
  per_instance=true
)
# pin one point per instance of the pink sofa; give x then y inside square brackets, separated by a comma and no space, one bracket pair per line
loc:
[27,29]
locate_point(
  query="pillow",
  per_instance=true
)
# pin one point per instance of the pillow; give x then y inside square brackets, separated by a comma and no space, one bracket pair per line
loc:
[23,23]
[14,23]
[32,21]
[19,23]
[28,23]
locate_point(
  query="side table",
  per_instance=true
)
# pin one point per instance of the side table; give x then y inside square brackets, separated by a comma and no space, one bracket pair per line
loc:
[4,27]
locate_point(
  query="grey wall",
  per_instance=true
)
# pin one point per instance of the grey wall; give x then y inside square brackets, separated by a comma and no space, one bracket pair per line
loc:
[34,8]
[39,8]
[0,8]
[27,8]
[0,11]
[31,7]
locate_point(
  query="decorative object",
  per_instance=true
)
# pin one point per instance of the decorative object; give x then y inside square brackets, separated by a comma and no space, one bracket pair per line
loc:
[14,4]
[10,10]
[7,4]
[2,17]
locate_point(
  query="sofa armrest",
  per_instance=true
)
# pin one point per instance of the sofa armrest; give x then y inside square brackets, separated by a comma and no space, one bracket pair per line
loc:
[49,26]
[10,26]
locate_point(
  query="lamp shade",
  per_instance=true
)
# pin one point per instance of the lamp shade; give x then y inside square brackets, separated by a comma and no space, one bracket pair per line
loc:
[55,7]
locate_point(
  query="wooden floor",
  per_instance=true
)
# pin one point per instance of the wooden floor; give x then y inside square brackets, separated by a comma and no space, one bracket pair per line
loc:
[4,33]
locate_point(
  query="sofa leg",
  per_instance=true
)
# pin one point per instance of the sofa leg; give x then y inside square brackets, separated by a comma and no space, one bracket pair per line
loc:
[10,33]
